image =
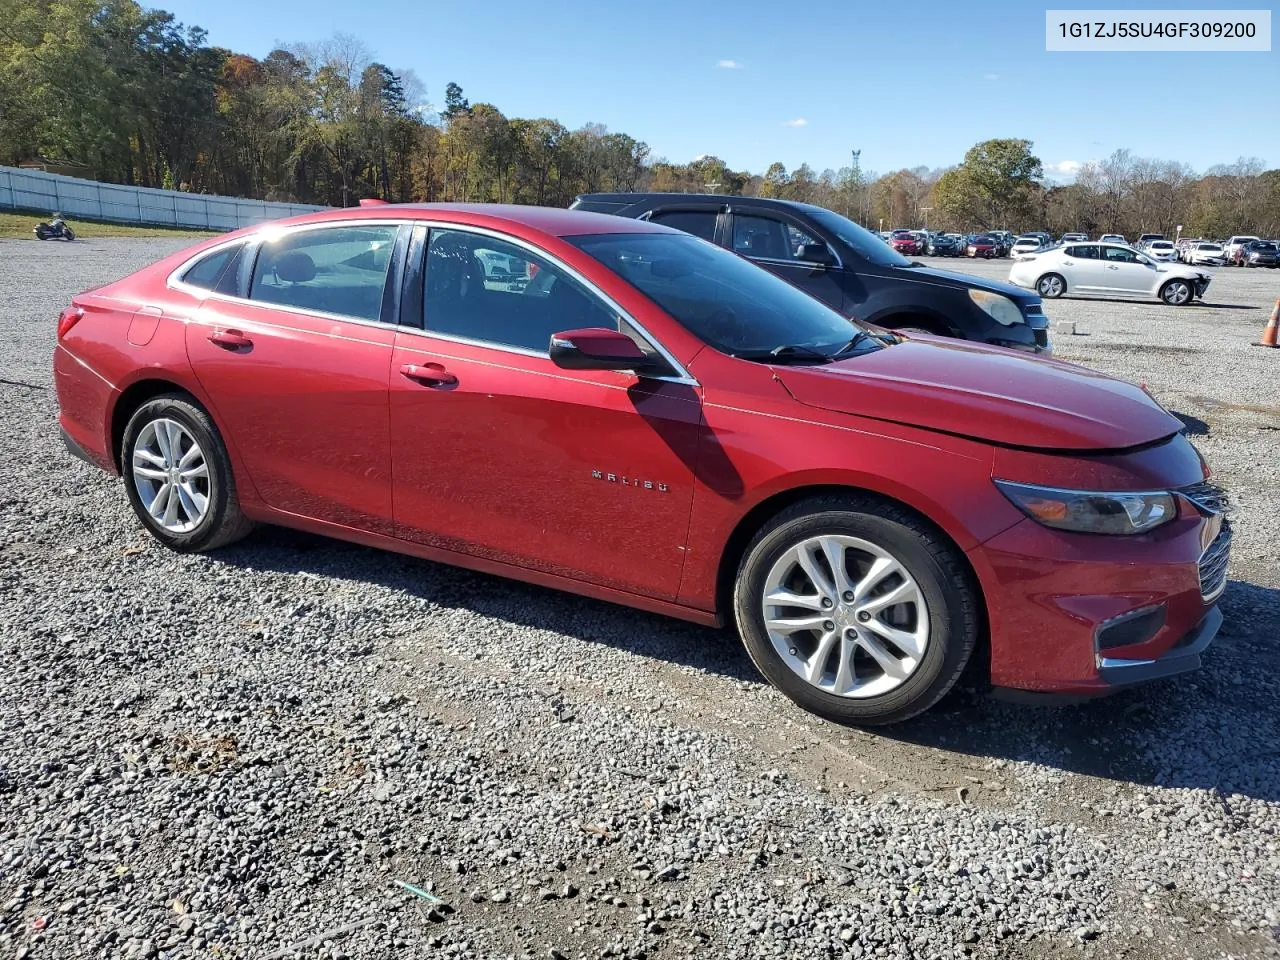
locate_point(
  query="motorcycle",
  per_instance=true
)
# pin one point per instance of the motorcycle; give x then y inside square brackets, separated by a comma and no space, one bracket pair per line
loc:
[55,229]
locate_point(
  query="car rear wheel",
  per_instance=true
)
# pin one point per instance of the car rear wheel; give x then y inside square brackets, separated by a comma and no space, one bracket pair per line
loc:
[1177,293]
[1051,286]
[178,476]
[856,609]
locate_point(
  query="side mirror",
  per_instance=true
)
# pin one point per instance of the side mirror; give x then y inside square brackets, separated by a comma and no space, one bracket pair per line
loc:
[815,253]
[596,348]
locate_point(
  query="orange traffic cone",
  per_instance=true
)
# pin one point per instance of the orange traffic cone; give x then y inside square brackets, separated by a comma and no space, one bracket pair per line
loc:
[1272,329]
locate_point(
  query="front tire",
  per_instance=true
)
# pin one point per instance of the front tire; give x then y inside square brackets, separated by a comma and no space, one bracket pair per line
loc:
[856,609]
[1051,286]
[68,233]
[178,476]
[1177,293]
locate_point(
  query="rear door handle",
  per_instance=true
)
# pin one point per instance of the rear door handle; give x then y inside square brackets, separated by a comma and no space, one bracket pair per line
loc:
[230,339]
[432,374]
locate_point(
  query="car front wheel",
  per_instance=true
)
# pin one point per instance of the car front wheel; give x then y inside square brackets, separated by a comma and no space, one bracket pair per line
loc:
[856,609]
[1177,293]
[178,476]
[1051,286]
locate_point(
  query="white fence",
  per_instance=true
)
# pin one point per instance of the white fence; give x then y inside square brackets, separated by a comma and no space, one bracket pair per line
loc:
[49,192]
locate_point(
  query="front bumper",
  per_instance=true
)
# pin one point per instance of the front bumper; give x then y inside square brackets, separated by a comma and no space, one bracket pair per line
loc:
[1201,287]
[1083,615]
[1183,657]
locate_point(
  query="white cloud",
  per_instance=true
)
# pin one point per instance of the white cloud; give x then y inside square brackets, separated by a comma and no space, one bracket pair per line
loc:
[991,76]
[1068,168]
[728,65]
[797,122]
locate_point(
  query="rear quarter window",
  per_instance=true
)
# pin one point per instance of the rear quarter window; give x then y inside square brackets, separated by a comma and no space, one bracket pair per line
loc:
[215,271]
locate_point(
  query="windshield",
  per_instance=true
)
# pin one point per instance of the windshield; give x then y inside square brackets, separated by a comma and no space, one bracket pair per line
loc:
[1264,245]
[862,242]
[721,298]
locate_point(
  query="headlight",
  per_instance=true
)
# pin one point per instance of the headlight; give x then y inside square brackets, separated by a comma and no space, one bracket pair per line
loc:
[999,308]
[1088,511]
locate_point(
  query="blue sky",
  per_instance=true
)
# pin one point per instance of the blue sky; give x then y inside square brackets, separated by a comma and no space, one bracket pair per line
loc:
[909,83]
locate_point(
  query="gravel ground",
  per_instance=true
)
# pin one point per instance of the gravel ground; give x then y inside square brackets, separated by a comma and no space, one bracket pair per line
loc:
[226,755]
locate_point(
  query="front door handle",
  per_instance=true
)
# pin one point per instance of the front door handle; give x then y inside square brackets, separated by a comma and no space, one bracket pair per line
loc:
[1112,266]
[432,374]
[230,339]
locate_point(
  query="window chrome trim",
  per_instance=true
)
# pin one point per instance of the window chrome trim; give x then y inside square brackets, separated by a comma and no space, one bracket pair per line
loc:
[174,282]
[261,234]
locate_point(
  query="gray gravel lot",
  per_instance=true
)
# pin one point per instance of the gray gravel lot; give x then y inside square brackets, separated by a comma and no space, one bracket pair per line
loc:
[225,755]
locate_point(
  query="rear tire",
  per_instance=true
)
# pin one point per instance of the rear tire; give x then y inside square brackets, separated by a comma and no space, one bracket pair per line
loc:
[855,666]
[178,476]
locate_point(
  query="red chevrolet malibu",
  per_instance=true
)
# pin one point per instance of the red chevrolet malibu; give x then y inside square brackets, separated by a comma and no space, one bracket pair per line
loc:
[625,411]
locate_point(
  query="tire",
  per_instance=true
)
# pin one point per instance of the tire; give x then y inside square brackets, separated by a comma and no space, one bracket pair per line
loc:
[68,233]
[185,523]
[1177,293]
[1051,286]
[42,232]
[940,618]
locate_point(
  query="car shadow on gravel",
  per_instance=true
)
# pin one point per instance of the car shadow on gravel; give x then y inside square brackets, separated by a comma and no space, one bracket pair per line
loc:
[1152,301]
[527,605]
[1214,729]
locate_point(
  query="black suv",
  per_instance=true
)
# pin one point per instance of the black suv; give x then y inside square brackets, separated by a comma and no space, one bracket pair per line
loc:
[851,269]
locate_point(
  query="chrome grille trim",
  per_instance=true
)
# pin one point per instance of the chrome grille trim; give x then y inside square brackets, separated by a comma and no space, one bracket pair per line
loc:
[1213,566]
[1208,497]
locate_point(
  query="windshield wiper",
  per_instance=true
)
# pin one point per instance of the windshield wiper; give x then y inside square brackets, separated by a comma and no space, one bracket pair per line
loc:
[859,337]
[786,353]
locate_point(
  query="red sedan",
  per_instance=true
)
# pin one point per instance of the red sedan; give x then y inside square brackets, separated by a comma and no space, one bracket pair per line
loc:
[618,409]
[907,243]
[983,246]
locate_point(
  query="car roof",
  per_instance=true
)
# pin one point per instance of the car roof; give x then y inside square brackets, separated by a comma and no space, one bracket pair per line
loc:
[553,221]
[631,199]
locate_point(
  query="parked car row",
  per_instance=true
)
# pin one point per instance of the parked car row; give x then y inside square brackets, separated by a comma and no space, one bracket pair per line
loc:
[615,408]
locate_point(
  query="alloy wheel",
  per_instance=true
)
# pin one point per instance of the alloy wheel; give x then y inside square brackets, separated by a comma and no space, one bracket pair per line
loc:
[1177,293]
[1051,286]
[846,616]
[171,476]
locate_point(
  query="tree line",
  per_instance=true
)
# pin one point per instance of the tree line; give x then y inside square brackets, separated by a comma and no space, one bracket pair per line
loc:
[127,94]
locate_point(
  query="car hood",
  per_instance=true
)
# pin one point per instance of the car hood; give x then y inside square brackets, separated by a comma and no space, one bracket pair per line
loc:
[953,278]
[986,393]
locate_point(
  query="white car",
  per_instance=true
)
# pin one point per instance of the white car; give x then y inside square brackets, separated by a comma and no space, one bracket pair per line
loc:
[1108,270]
[1207,254]
[1111,238]
[1024,246]
[1162,250]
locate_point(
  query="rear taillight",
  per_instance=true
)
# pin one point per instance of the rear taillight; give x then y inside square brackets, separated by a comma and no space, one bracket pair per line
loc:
[68,319]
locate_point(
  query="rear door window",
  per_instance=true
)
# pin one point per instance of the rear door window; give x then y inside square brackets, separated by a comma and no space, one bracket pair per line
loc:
[338,270]
[701,223]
